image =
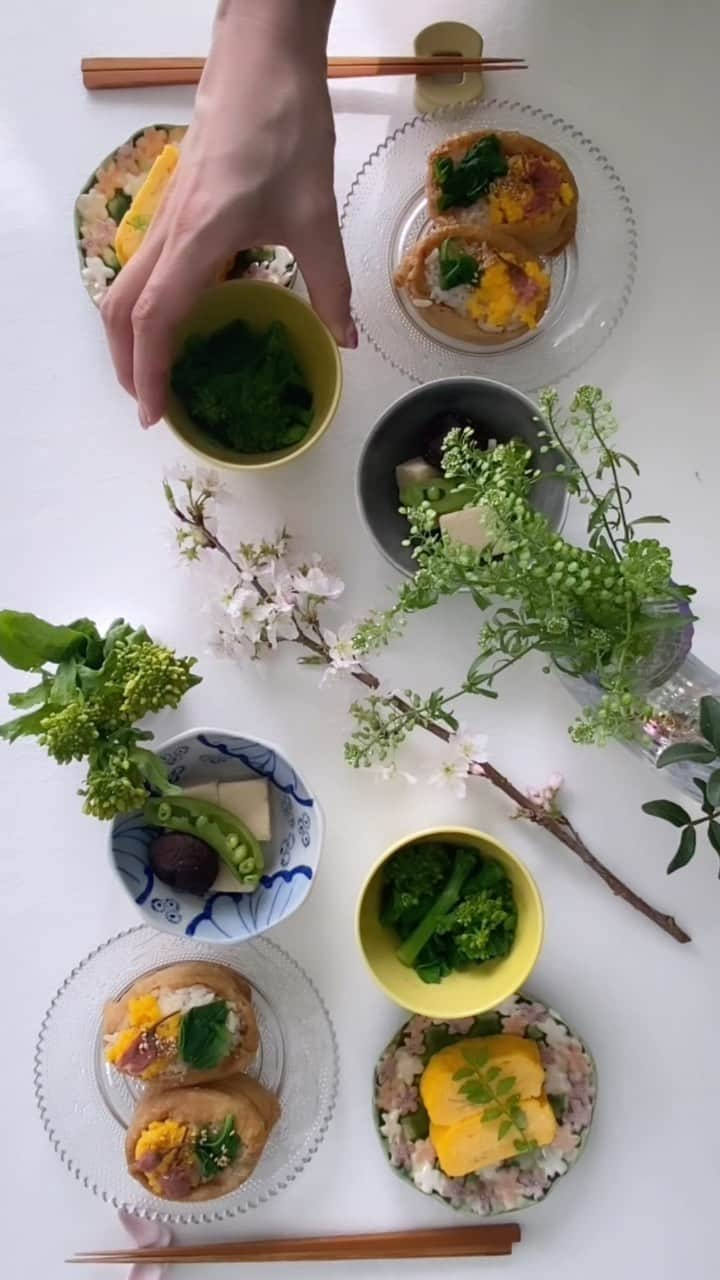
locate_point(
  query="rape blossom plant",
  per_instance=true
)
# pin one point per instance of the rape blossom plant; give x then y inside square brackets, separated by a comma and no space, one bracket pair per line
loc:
[268,595]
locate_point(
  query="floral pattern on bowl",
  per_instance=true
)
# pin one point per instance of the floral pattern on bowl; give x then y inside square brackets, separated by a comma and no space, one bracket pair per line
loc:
[515,1184]
[291,855]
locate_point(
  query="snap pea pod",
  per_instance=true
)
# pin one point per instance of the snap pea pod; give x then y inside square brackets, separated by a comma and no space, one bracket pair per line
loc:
[225,833]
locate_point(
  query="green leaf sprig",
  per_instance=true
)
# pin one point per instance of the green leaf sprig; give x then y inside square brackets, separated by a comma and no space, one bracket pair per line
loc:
[204,1037]
[596,611]
[456,266]
[486,1086]
[706,752]
[215,1150]
[463,183]
[88,707]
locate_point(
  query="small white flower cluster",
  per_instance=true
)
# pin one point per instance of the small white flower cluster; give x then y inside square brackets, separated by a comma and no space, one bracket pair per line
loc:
[272,598]
[546,797]
[468,751]
[341,651]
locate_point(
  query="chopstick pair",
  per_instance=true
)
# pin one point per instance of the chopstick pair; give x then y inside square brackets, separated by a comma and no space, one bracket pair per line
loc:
[144,73]
[456,1242]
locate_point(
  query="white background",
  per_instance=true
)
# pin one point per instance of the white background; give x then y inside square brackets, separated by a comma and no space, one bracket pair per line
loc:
[84,530]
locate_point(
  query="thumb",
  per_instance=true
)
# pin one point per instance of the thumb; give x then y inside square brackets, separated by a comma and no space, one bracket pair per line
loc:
[321,258]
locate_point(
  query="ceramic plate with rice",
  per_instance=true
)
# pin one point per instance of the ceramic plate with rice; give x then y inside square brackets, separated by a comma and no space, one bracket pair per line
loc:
[108,194]
[514,1184]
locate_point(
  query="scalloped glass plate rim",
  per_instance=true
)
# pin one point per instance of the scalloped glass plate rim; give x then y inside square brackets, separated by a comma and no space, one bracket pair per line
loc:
[404,1176]
[205,1216]
[471,115]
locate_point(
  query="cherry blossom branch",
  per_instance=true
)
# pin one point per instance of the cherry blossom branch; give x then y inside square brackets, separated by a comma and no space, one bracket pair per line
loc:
[305,631]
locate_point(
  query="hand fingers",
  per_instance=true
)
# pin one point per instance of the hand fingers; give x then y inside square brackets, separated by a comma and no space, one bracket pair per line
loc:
[117,307]
[321,259]
[181,272]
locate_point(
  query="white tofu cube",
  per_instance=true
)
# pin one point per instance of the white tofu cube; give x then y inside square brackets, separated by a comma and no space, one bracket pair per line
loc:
[250,802]
[472,527]
[203,791]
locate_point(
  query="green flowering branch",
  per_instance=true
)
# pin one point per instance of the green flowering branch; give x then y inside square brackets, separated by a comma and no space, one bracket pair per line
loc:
[88,707]
[383,721]
[592,611]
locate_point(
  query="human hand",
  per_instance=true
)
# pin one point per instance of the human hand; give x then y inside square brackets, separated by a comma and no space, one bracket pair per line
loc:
[256,167]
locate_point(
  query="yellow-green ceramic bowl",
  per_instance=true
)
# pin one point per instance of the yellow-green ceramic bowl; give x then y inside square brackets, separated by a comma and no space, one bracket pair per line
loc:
[460,995]
[259,305]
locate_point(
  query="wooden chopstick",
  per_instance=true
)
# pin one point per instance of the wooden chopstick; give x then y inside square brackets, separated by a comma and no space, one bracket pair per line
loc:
[142,73]
[455,1242]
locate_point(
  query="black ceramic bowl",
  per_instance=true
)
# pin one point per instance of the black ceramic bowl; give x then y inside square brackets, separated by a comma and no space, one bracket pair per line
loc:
[402,433]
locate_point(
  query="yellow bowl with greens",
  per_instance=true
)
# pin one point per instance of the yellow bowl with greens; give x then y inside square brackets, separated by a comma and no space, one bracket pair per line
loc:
[473,990]
[260,306]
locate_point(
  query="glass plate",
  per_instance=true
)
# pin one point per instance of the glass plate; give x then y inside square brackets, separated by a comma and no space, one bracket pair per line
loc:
[85,1107]
[591,280]
[570,1083]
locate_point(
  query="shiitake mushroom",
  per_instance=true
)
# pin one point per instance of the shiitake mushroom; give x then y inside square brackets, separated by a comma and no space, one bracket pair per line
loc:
[183,862]
[438,428]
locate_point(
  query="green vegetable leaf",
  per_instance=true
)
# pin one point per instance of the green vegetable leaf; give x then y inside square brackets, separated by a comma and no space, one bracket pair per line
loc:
[712,789]
[476,1057]
[465,1073]
[519,1118]
[491,1113]
[155,771]
[464,183]
[27,642]
[216,1150]
[714,834]
[506,1085]
[681,751]
[23,726]
[685,850]
[649,520]
[204,1038]
[456,266]
[36,696]
[668,810]
[504,1129]
[65,685]
[710,721]
[493,1073]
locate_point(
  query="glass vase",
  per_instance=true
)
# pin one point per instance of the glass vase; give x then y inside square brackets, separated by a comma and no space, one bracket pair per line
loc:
[673,681]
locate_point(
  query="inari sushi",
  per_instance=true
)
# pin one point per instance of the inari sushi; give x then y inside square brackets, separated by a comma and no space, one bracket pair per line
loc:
[510,181]
[475,283]
[200,1143]
[185,1024]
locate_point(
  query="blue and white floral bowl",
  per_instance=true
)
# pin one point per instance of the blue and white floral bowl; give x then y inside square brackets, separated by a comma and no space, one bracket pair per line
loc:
[291,855]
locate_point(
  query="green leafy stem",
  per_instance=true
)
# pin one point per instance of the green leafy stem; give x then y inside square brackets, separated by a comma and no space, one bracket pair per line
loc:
[396,714]
[496,1093]
[706,752]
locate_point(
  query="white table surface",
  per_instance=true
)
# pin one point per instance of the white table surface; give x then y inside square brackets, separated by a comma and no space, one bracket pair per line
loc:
[84,530]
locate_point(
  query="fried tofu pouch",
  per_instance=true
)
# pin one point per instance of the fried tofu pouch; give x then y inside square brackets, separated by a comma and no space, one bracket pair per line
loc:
[411,275]
[226,985]
[253,1108]
[536,202]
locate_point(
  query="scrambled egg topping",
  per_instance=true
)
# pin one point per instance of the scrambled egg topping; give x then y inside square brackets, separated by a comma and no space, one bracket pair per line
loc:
[144,1012]
[163,1137]
[495,302]
[169,1028]
[510,196]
